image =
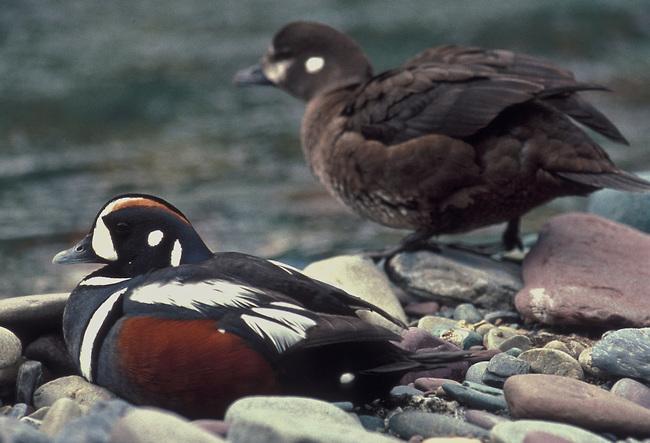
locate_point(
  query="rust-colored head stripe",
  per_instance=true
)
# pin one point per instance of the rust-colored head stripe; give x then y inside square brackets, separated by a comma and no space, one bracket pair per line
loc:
[147,203]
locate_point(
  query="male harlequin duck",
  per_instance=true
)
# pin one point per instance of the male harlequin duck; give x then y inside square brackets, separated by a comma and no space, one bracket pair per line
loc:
[455,139]
[166,322]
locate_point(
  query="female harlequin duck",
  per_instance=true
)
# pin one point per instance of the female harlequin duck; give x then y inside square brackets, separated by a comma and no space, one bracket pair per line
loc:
[168,323]
[455,139]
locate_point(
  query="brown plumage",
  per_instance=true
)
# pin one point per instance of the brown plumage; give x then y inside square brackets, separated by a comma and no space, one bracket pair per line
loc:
[455,139]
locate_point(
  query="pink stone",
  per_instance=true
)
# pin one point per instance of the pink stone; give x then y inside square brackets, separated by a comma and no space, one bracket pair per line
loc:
[421,309]
[587,270]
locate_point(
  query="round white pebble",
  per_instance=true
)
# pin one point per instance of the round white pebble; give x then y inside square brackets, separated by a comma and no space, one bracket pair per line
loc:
[10,348]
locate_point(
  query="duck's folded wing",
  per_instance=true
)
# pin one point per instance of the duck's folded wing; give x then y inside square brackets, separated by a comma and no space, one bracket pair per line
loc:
[526,67]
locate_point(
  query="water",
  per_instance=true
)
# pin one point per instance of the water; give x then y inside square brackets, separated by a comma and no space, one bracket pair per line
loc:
[99,98]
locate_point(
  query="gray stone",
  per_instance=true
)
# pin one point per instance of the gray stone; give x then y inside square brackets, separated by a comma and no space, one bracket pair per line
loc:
[516,341]
[410,423]
[632,390]
[34,423]
[10,348]
[149,425]
[346,406]
[587,364]
[559,346]
[420,309]
[404,392]
[625,352]
[18,411]
[15,431]
[475,399]
[463,338]
[294,420]
[503,316]
[372,423]
[605,288]
[468,313]
[476,371]
[496,336]
[74,387]
[436,325]
[516,432]
[431,384]
[33,313]
[360,277]
[39,414]
[502,366]
[60,413]
[515,352]
[552,362]
[454,276]
[50,350]
[96,426]
[483,388]
[629,208]
[485,420]
[556,398]
[29,378]
[214,427]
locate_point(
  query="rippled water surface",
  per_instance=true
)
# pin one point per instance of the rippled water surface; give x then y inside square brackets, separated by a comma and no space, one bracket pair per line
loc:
[98,98]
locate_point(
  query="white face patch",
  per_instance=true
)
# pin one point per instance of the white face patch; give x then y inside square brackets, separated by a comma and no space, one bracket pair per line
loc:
[194,295]
[154,238]
[314,64]
[346,378]
[277,72]
[177,253]
[101,281]
[102,242]
[92,329]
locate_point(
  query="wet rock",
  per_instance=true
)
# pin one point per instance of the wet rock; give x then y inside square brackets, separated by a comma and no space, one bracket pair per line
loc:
[625,352]
[420,309]
[29,378]
[516,341]
[476,371]
[502,366]
[496,336]
[468,313]
[518,431]
[18,411]
[32,314]
[587,364]
[360,277]
[555,398]
[293,420]
[14,431]
[410,423]
[74,387]
[485,420]
[51,351]
[96,426]
[553,362]
[60,413]
[149,425]
[454,276]
[586,270]
[435,325]
[632,390]
[475,399]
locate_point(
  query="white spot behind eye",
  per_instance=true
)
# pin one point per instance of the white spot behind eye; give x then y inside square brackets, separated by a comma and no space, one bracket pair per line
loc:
[314,64]
[346,378]
[277,72]
[154,238]
[177,253]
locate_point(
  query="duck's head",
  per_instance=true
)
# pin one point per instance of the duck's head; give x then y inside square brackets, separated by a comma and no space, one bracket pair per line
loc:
[136,233]
[306,59]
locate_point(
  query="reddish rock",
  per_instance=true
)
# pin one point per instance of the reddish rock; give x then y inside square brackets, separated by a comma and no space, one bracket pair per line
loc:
[484,419]
[431,384]
[544,437]
[421,309]
[586,270]
[563,399]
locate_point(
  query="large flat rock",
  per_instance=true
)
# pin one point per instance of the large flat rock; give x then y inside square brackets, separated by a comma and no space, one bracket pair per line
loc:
[32,314]
[586,270]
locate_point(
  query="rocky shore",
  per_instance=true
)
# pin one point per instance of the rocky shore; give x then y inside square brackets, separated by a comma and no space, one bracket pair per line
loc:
[569,327]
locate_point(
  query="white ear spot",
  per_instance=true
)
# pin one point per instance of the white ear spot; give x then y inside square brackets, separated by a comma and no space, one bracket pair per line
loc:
[154,238]
[346,378]
[177,253]
[314,64]
[277,72]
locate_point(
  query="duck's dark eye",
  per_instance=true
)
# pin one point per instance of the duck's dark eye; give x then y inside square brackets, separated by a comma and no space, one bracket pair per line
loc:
[122,228]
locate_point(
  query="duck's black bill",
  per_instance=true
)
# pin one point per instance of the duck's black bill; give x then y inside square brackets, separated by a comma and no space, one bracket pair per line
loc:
[82,252]
[253,75]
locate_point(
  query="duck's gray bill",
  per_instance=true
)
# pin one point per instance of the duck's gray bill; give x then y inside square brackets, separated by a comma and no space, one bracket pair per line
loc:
[253,75]
[82,252]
